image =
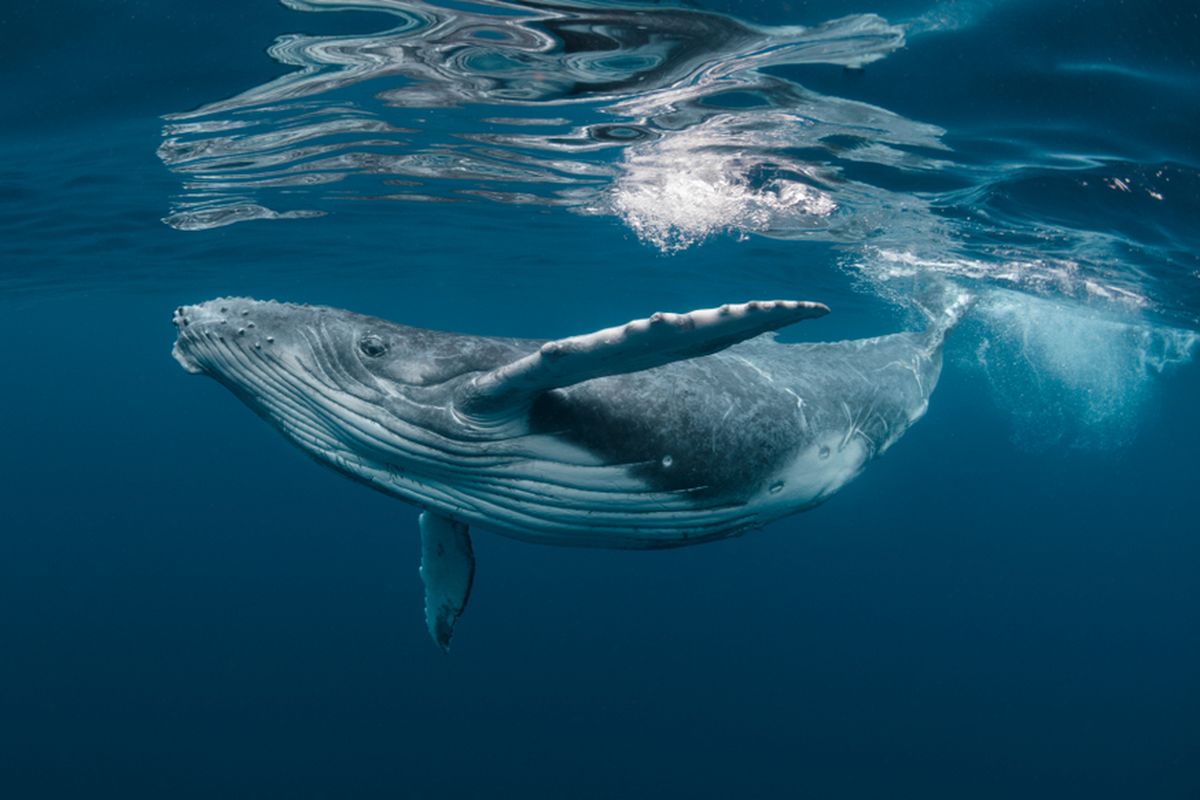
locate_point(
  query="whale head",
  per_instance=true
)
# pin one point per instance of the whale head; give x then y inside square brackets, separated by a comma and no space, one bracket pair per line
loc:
[252,345]
[320,375]
[355,390]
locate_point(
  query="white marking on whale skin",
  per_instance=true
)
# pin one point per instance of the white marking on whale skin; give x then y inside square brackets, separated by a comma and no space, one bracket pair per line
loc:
[811,476]
[799,410]
[762,373]
[914,415]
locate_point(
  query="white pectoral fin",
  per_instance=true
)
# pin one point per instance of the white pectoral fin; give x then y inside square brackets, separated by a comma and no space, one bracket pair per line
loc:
[447,568]
[632,347]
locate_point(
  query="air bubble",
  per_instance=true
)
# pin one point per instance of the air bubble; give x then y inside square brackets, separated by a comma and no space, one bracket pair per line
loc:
[776,487]
[667,461]
[823,453]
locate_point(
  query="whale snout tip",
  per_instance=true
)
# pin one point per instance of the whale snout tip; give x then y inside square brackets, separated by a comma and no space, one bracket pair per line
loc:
[184,319]
[224,322]
[210,311]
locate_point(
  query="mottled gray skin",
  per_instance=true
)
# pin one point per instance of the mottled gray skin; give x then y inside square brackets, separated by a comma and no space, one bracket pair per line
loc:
[691,451]
[731,421]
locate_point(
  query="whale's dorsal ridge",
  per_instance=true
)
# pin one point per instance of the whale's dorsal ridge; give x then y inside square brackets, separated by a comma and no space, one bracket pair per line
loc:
[635,346]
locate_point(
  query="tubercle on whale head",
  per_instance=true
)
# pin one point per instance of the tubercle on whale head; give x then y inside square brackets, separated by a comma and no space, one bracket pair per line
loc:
[212,333]
[260,348]
[317,374]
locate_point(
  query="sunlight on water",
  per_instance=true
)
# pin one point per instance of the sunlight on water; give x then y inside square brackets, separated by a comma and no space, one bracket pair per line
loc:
[666,118]
[673,200]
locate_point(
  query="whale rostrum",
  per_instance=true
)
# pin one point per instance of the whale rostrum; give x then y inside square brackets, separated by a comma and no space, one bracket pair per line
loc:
[666,431]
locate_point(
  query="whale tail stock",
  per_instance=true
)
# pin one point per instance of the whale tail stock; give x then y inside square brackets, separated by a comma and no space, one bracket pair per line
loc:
[943,304]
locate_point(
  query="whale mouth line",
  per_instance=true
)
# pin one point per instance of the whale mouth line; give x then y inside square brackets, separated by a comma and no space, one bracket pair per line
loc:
[177,351]
[185,361]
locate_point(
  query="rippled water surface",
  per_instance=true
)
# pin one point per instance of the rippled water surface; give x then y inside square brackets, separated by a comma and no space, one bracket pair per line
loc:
[687,123]
[1005,606]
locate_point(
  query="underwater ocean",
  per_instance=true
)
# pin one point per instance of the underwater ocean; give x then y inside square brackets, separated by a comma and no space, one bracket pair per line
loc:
[1005,605]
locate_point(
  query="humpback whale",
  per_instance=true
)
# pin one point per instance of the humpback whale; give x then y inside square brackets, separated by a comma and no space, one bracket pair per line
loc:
[666,431]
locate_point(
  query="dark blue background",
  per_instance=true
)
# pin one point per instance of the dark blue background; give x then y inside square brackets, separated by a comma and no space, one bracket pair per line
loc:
[190,608]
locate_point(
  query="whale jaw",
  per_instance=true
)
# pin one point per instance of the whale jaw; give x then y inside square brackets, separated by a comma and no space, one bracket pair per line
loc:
[185,360]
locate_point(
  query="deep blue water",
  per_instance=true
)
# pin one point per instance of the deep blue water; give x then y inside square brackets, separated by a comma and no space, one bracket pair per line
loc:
[1005,605]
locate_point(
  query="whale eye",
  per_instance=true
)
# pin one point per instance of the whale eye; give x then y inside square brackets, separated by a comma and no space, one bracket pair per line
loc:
[372,345]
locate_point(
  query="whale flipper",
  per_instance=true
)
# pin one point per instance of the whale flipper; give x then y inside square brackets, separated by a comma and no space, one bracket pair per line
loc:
[447,568]
[632,347]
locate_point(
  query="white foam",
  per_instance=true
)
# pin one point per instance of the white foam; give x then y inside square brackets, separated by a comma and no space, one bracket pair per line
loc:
[674,204]
[1057,276]
[1072,375]
[678,190]
[950,15]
